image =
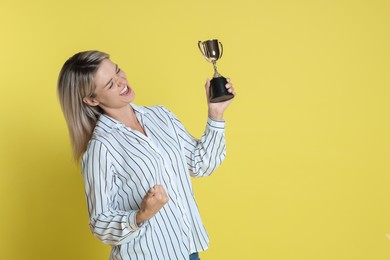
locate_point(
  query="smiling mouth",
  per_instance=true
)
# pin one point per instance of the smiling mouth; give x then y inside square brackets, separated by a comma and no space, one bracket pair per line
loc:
[125,91]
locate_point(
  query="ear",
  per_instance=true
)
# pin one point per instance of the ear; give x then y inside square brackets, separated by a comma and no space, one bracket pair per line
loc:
[90,101]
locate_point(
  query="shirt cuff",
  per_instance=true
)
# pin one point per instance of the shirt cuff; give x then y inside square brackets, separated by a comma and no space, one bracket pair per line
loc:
[216,124]
[132,221]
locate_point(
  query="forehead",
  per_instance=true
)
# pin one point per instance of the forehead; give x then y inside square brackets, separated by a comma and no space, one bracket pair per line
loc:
[105,72]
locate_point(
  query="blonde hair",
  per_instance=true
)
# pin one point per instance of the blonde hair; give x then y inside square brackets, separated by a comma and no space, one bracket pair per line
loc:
[75,82]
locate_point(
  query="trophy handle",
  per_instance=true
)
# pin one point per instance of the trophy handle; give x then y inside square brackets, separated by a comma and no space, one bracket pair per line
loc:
[200,48]
[220,44]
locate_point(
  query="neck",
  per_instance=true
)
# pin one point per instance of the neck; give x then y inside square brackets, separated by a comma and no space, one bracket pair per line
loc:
[126,115]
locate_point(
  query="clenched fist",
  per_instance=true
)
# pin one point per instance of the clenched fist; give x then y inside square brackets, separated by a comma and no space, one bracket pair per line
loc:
[153,201]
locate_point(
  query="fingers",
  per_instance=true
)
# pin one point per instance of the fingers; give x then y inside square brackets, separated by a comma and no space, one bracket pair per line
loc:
[229,87]
[158,192]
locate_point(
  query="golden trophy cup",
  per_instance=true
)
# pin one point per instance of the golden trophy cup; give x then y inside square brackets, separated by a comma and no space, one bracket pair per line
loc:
[212,51]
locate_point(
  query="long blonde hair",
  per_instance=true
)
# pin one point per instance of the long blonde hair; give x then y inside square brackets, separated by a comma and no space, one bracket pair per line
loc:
[74,83]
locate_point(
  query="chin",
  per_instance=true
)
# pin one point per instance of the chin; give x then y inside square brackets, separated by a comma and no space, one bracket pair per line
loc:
[132,95]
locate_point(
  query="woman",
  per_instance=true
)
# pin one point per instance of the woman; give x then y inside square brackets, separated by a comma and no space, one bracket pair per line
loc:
[137,162]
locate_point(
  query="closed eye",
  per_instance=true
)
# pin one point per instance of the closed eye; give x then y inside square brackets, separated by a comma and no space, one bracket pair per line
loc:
[111,83]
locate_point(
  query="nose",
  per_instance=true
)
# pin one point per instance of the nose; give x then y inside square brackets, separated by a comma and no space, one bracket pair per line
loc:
[119,81]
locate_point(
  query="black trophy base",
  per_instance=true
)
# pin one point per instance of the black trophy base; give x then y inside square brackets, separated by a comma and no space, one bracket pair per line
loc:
[218,91]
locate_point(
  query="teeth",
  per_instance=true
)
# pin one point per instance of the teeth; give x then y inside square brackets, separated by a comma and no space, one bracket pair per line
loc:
[123,90]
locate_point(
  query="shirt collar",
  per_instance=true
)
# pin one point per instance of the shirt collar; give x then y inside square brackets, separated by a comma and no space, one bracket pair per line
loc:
[106,123]
[139,109]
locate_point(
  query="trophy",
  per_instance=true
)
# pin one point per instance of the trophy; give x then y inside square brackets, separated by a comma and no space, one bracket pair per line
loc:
[212,50]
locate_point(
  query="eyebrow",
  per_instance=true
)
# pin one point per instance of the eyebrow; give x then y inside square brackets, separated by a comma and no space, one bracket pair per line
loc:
[116,71]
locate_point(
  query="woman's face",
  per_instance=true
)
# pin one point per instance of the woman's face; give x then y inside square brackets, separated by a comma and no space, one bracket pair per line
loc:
[112,91]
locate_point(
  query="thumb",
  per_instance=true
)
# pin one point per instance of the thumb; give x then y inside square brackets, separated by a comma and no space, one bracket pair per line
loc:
[207,86]
[151,191]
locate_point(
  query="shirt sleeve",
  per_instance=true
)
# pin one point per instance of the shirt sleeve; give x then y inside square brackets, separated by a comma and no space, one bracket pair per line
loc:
[113,227]
[203,155]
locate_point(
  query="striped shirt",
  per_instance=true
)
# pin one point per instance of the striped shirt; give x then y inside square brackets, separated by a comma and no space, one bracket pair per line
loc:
[120,165]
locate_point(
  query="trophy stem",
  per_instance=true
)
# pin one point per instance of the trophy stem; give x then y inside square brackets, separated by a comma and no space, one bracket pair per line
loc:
[216,73]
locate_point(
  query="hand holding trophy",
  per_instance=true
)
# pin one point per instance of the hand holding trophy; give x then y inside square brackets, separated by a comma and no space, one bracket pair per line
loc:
[212,50]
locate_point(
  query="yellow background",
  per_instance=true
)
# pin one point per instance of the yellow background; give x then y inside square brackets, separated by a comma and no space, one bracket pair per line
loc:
[307,173]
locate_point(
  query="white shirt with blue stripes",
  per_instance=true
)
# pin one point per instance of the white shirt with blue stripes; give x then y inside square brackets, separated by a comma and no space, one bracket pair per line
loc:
[119,167]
